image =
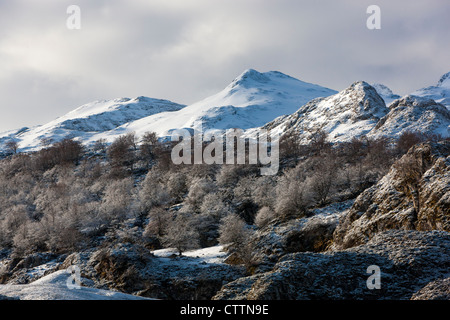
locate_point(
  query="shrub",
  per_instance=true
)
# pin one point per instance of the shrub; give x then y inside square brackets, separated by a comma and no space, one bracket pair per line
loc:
[264,216]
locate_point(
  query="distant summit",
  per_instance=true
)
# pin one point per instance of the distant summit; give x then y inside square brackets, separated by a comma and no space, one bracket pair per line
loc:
[444,81]
[440,92]
[386,93]
[413,113]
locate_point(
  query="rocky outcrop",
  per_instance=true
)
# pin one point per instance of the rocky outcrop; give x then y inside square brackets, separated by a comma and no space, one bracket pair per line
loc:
[353,112]
[132,269]
[413,114]
[313,233]
[420,203]
[409,261]
[23,270]
[435,290]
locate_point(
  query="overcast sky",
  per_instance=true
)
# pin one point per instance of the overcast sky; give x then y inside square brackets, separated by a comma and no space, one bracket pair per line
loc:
[186,50]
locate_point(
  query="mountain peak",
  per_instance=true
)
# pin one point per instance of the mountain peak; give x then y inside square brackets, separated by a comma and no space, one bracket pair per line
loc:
[353,112]
[362,90]
[360,83]
[250,76]
[444,81]
[384,90]
[362,86]
[439,93]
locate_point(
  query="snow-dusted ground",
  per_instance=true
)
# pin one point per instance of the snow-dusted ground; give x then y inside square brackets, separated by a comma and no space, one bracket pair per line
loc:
[55,287]
[201,256]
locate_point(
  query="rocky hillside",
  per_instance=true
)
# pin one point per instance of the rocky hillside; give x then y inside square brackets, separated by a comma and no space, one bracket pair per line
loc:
[360,111]
[400,225]
[413,195]
[350,113]
[412,113]
[412,265]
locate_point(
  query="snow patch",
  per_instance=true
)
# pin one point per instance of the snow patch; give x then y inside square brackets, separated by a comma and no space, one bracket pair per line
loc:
[54,287]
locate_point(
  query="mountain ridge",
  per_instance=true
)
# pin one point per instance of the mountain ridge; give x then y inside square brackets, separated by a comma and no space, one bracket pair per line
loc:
[353,112]
[439,92]
[250,101]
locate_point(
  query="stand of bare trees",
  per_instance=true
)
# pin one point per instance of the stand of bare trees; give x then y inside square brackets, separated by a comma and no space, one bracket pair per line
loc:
[66,196]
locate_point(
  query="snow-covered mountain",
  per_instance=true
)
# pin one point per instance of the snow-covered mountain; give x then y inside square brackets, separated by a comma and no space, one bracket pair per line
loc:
[412,113]
[249,101]
[350,113]
[439,92]
[90,120]
[271,100]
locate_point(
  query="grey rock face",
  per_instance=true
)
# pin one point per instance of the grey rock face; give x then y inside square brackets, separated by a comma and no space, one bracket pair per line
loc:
[435,290]
[353,112]
[408,261]
[390,203]
[133,269]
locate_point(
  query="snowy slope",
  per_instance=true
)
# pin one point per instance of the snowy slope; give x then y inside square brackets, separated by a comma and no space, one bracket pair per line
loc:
[412,113]
[54,287]
[250,101]
[386,93]
[91,119]
[350,113]
[440,92]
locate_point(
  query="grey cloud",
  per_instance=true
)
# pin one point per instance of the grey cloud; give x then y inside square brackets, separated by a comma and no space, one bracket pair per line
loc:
[187,50]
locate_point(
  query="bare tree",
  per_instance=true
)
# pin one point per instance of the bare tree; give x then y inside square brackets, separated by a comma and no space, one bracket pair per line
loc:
[289,145]
[181,234]
[121,152]
[235,234]
[158,223]
[408,139]
[148,147]
[12,146]
[410,170]
[319,141]
[264,216]
[323,178]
